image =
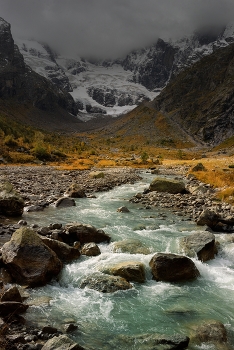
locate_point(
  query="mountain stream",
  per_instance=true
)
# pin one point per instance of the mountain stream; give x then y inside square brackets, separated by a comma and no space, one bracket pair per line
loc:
[104,319]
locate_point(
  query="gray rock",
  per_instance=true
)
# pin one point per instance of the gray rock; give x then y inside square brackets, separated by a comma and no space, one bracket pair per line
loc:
[211,331]
[200,244]
[75,191]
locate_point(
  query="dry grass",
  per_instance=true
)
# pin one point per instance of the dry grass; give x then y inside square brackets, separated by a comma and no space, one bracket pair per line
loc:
[217,173]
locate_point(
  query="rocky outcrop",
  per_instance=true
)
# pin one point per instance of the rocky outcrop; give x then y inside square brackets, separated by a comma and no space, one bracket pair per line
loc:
[155,69]
[173,268]
[21,86]
[29,261]
[105,283]
[11,203]
[161,184]
[200,244]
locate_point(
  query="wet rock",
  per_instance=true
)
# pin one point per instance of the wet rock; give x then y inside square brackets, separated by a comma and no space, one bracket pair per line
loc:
[70,327]
[161,184]
[123,210]
[11,203]
[105,283]
[12,294]
[85,233]
[132,246]
[132,271]
[173,268]
[211,331]
[61,342]
[8,308]
[75,191]
[62,250]
[28,259]
[154,341]
[64,202]
[200,244]
[33,208]
[49,330]
[90,249]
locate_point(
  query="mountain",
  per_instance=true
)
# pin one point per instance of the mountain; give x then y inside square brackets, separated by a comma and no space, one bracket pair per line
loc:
[26,95]
[117,86]
[197,106]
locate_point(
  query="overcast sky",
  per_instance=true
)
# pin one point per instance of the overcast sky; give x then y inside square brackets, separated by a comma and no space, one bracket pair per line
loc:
[110,28]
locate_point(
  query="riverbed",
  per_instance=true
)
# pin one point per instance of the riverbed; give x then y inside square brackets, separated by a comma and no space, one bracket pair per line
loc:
[105,320]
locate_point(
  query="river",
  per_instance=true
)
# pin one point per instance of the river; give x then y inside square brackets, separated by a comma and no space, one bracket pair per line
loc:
[152,307]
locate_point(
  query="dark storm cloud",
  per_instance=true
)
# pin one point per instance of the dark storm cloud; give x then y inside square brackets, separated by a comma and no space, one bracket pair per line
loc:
[110,28]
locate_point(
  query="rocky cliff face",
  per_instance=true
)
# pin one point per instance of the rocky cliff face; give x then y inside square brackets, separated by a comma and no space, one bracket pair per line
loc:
[201,98]
[19,84]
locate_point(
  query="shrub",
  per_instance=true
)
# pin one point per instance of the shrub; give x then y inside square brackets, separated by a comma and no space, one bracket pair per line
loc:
[10,141]
[41,153]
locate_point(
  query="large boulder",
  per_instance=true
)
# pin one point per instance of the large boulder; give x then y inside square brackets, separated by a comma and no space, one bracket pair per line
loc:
[11,203]
[85,233]
[200,244]
[62,250]
[75,191]
[28,259]
[173,268]
[162,184]
[132,271]
[62,342]
[131,246]
[105,283]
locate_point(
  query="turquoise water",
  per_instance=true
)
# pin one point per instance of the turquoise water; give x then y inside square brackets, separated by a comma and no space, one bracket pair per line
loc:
[153,307]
